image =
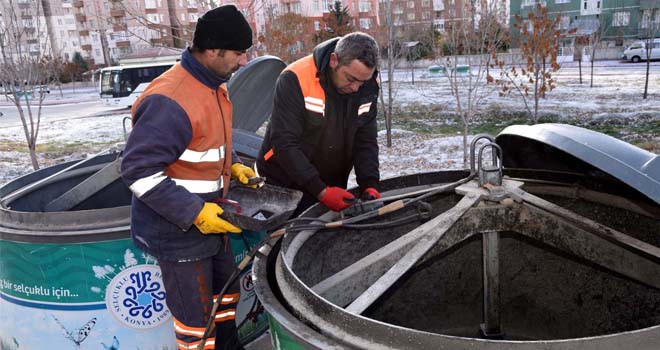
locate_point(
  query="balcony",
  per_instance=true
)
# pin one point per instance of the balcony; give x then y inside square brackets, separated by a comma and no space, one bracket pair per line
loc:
[78,3]
[118,27]
[30,30]
[648,4]
[23,5]
[150,11]
[585,26]
[117,13]
[26,16]
[192,10]
[83,32]
[80,17]
[86,47]
[123,43]
[533,3]
[157,40]
[154,26]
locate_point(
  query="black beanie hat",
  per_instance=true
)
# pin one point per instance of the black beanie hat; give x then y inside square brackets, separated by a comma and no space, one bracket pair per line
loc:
[224,27]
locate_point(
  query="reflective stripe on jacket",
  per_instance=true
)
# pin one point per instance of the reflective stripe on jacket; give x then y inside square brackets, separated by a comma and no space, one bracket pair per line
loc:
[313,94]
[203,167]
[177,157]
[316,136]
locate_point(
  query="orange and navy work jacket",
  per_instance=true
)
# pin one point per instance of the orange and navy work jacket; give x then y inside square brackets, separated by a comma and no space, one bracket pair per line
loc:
[316,136]
[178,156]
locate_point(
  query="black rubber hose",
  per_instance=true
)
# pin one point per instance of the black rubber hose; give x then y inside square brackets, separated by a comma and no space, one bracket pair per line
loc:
[348,223]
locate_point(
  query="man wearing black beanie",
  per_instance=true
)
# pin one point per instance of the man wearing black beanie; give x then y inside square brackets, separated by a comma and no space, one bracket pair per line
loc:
[178,160]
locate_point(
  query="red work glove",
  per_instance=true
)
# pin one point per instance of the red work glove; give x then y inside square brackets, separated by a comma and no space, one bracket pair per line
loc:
[336,198]
[370,194]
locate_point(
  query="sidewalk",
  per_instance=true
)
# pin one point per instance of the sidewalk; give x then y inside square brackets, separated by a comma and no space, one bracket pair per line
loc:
[68,96]
[69,93]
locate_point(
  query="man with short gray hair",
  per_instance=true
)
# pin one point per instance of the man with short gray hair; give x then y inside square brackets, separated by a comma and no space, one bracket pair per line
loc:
[324,124]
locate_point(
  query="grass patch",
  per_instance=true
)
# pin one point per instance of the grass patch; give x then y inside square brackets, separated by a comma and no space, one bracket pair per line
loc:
[12,146]
[55,149]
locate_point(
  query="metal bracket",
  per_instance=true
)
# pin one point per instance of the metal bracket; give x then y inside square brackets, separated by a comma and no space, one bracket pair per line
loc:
[490,174]
[473,147]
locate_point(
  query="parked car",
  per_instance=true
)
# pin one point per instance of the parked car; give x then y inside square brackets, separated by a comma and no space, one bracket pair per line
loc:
[637,51]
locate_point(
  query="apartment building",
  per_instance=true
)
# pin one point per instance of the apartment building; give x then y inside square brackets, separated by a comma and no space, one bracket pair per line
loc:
[62,31]
[109,30]
[24,26]
[417,16]
[104,31]
[616,22]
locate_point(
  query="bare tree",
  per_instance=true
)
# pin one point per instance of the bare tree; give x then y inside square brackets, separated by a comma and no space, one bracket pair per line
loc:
[287,36]
[26,67]
[466,54]
[651,28]
[595,39]
[599,29]
[540,39]
[579,44]
[182,32]
[390,39]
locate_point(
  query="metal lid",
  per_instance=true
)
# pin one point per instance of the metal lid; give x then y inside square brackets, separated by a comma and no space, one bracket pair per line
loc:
[563,147]
[251,91]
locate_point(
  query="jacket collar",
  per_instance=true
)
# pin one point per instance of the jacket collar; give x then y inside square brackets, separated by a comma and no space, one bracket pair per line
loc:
[200,72]
[322,54]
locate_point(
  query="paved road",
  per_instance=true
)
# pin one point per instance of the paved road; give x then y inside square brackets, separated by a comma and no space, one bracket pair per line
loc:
[601,68]
[69,110]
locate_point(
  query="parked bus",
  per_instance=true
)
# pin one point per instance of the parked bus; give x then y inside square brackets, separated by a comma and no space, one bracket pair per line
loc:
[122,85]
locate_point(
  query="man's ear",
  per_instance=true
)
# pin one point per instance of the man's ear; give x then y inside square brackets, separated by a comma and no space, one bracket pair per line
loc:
[334,60]
[211,53]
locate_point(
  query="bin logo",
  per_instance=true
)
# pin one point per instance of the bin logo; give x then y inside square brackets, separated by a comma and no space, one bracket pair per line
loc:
[248,285]
[136,297]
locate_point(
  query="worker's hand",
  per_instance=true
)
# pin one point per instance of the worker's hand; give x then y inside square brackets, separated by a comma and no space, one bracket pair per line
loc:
[208,220]
[336,198]
[370,194]
[242,173]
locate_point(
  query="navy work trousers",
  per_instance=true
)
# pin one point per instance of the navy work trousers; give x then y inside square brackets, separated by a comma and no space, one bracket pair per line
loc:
[191,287]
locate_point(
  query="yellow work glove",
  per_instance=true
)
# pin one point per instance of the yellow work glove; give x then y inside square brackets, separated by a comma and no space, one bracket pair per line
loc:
[208,220]
[242,173]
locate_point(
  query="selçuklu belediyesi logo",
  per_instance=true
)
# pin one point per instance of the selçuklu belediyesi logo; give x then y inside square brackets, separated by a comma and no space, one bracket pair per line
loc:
[136,297]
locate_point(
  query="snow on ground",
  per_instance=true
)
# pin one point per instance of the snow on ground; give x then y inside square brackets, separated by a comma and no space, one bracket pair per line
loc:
[67,94]
[617,89]
[96,133]
[616,92]
[99,129]
[410,153]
